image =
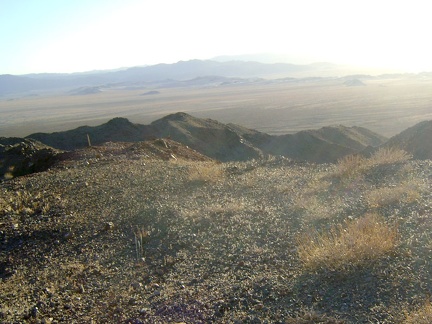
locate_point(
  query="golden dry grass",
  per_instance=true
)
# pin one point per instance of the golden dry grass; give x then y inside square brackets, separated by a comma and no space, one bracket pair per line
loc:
[405,192]
[354,165]
[25,203]
[388,156]
[212,234]
[354,243]
[423,315]
[350,165]
[311,316]
[206,172]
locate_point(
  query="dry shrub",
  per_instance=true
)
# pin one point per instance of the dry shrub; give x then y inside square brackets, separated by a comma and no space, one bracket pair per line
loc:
[4,206]
[405,192]
[141,236]
[423,315]
[24,202]
[351,244]
[311,316]
[388,156]
[206,172]
[353,165]
[350,165]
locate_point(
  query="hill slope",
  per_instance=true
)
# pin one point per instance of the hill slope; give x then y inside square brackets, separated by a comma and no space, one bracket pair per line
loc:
[207,136]
[327,144]
[116,130]
[20,156]
[416,140]
[223,142]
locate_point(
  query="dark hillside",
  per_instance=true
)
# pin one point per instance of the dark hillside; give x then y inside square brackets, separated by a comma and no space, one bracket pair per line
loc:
[251,135]
[223,142]
[355,137]
[19,156]
[207,136]
[305,145]
[416,140]
[116,130]
[327,144]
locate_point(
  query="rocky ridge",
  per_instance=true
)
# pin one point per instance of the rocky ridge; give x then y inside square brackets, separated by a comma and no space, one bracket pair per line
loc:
[224,142]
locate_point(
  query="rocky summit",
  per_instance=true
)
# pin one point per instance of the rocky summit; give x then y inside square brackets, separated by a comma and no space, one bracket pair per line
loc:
[154,231]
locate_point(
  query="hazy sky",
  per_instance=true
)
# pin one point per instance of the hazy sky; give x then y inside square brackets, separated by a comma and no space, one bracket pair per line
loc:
[82,35]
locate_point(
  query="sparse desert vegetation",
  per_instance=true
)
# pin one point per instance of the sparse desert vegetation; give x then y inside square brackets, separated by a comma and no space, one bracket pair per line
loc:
[347,246]
[206,171]
[421,315]
[140,183]
[142,237]
[356,164]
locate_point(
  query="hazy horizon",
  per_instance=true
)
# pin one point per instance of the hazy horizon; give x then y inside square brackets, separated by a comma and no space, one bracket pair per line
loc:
[264,58]
[50,36]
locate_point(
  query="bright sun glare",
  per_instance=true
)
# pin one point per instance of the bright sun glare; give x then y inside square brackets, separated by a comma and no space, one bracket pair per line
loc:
[109,34]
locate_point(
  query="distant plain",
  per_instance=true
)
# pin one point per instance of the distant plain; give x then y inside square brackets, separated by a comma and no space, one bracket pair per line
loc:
[386,106]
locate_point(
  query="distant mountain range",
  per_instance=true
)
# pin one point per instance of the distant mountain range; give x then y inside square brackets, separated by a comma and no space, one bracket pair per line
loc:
[183,73]
[224,142]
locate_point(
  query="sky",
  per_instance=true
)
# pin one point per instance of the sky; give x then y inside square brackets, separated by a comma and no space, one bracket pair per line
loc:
[67,36]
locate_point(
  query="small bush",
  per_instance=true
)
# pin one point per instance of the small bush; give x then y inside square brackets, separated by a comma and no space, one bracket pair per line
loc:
[141,236]
[387,196]
[388,156]
[422,315]
[354,243]
[353,165]
[350,166]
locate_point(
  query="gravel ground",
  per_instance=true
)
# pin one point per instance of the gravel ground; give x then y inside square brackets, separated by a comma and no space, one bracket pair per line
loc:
[104,238]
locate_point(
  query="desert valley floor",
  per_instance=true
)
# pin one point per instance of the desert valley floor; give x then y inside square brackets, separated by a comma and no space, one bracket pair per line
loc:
[385,105]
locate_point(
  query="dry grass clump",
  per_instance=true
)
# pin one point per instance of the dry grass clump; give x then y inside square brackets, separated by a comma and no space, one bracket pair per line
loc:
[141,236]
[350,165]
[353,165]
[4,205]
[311,316]
[351,244]
[206,172]
[388,156]
[380,197]
[9,174]
[423,315]
[25,203]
